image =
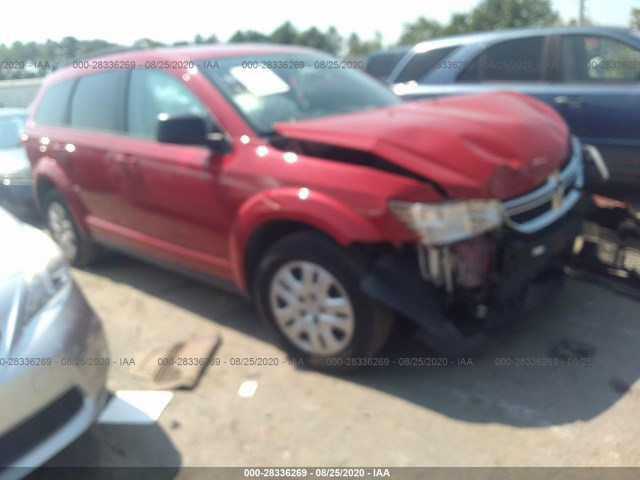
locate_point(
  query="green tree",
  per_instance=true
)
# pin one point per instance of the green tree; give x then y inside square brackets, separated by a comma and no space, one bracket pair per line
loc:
[285,34]
[359,48]
[69,47]
[329,42]
[573,22]
[635,19]
[459,23]
[89,46]
[495,14]
[147,43]
[335,41]
[419,31]
[248,36]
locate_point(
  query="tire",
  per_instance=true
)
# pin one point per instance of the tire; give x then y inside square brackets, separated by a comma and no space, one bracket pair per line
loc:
[77,248]
[325,321]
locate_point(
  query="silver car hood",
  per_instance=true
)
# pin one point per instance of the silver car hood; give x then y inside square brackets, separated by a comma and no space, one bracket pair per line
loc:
[25,252]
[13,160]
[14,253]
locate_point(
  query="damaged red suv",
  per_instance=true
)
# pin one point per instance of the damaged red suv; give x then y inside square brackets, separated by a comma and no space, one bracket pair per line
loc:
[291,176]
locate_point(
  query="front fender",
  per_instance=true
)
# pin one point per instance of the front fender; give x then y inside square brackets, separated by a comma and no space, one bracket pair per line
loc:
[316,209]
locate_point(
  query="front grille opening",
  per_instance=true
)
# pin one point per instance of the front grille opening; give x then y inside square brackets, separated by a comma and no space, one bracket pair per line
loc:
[30,433]
[531,214]
[540,199]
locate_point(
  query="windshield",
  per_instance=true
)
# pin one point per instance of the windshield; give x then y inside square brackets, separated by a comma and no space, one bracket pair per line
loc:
[10,128]
[288,87]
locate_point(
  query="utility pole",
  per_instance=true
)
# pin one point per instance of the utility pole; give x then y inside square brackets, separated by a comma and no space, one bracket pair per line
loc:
[581,13]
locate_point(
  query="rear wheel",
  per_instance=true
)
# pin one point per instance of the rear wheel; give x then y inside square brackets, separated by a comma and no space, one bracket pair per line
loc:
[78,249]
[308,292]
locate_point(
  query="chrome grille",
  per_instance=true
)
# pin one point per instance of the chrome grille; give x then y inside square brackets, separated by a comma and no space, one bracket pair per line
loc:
[548,202]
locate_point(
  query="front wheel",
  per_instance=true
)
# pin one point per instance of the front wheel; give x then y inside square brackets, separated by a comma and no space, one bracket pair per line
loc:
[78,249]
[307,290]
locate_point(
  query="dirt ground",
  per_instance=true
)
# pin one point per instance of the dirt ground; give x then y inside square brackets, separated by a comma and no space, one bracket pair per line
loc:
[506,409]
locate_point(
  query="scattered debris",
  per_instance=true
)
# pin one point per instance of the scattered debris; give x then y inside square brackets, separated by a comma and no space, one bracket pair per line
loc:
[566,349]
[178,366]
[248,388]
[135,407]
[608,251]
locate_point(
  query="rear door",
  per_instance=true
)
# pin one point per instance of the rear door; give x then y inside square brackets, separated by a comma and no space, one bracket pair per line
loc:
[599,96]
[523,64]
[95,118]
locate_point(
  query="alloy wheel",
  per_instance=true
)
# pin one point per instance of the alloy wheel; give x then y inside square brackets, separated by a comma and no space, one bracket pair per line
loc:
[62,230]
[311,308]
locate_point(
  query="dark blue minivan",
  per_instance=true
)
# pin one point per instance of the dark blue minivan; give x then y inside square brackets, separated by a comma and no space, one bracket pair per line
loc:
[590,75]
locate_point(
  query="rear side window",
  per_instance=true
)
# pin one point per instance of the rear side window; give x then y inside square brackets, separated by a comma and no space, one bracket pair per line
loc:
[380,65]
[422,63]
[53,107]
[154,92]
[96,102]
[598,59]
[513,61]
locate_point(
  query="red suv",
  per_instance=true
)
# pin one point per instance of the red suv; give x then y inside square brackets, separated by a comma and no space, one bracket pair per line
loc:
[291,176]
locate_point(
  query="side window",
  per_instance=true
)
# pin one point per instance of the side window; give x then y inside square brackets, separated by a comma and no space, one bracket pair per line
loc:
[96,102]
[512,61]
[598,59]
[152,93]
[380,65]
[421,63]
[53,107]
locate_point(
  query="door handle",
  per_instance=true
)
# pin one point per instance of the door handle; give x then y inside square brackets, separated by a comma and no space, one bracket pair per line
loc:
[123,159]
[562,100]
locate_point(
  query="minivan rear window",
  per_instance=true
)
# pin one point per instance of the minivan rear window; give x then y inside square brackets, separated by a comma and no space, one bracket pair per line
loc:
[422,63]
[53,107]
[96,103]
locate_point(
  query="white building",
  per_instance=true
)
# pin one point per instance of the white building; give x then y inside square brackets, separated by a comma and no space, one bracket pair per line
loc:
[18,93]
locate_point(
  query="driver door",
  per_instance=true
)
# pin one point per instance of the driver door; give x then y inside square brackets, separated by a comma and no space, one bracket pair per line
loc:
[176,210]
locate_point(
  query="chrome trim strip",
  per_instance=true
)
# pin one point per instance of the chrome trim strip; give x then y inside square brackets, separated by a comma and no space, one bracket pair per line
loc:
[547,218]
[597,159]
[573,172]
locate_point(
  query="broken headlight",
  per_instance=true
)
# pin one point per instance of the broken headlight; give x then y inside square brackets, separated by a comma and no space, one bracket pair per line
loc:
[448,222]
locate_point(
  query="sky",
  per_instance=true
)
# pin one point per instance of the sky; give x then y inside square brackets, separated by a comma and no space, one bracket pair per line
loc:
[124,21]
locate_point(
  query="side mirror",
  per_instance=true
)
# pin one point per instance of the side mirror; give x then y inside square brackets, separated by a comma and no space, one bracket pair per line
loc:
[191,129]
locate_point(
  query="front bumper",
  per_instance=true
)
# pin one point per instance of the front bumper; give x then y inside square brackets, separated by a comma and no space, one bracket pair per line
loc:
[521,271]
[45,407]
[530,267]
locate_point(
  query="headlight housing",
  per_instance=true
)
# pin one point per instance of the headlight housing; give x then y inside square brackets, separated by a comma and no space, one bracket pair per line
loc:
[15,169]
[448,222]
[46,274]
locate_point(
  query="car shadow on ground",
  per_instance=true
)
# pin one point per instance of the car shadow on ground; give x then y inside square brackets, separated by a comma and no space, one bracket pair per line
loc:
[129,448]
[570,360]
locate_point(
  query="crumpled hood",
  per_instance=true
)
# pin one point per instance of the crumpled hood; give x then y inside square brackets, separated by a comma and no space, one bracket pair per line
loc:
[489,145]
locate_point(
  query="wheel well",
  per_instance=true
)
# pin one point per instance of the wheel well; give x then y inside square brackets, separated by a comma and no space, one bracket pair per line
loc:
[262,239]
[267,235]
[44,187]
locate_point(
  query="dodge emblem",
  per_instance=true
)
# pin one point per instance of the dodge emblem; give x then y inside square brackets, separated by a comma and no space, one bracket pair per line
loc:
[558,191]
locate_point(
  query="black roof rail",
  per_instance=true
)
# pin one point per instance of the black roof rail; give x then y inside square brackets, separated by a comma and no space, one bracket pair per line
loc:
[99,53]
